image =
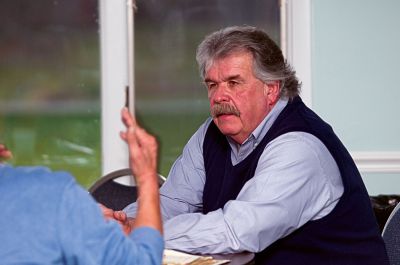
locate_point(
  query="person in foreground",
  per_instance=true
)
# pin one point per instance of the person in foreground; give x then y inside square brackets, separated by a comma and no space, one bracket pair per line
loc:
[47,218]
[264,174]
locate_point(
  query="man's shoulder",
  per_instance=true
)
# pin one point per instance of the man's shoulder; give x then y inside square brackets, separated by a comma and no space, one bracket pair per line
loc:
[297,143]
[25,176]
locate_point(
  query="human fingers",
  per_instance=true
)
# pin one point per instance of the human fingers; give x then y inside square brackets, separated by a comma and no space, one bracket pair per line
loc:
[127,226]
[120,216]
[143,154]
[127,117]
[124,221]
[142,146]
[143,138]
[4,152]
[107,212]
[132,140]
[129,130]
[129,122]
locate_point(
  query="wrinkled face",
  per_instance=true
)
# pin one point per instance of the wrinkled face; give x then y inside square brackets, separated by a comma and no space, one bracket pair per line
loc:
[238,100]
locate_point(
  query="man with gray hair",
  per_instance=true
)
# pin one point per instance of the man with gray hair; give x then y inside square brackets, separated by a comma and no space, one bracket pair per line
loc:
[264,173]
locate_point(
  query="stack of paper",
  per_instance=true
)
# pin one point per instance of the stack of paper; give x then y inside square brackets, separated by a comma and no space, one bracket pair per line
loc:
[173,257]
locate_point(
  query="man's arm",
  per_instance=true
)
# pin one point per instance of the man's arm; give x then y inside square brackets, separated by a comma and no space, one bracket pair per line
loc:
[296,180]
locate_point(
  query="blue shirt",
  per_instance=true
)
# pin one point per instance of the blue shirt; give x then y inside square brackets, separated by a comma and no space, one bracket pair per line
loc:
[47,218]
[296,180]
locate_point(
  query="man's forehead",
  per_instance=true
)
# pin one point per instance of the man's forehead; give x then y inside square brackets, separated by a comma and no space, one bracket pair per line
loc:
[229,66]
[244,55]
[224,78]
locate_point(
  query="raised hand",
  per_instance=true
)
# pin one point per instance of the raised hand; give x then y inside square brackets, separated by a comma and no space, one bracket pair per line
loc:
[4,152]
[143,149]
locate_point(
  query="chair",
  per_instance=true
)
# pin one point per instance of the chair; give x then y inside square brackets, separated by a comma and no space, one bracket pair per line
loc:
[391,236]
[115,195]
[383,206]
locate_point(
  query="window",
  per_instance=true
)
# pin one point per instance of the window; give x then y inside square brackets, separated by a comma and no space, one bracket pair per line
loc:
[49,85]
[50,76]
[171,100]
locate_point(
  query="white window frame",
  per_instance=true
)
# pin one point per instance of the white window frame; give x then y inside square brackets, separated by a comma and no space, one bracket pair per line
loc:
[296,41]
[114,80]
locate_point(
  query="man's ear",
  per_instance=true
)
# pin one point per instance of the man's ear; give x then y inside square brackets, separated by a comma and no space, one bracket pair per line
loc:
[272,92]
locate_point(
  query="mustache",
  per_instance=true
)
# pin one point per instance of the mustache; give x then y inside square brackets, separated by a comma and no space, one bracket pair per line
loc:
[224,109]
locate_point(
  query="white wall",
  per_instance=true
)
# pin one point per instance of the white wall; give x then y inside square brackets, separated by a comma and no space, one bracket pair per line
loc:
[354,55]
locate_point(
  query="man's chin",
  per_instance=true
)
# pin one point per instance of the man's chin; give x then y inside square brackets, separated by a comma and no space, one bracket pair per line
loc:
[227,127]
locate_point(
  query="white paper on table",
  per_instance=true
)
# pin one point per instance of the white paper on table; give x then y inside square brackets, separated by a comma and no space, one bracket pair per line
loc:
[173,257]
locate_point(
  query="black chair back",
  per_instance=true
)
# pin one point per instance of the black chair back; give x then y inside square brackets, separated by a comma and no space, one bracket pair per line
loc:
[115,195]
[391,236]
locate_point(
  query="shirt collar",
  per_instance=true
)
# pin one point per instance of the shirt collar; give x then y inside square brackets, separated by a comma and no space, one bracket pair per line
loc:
[266,124]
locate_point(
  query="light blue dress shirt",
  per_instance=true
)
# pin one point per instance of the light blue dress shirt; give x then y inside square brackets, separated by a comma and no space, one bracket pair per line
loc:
[296,180]
[47,218]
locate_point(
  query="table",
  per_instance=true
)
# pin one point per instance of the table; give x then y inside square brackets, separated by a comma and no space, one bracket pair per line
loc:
[243,258]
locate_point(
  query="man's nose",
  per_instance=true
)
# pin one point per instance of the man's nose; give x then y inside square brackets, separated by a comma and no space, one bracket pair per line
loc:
[221,93]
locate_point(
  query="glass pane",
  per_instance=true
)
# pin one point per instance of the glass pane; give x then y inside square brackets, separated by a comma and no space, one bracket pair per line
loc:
[49,85]
[171,100]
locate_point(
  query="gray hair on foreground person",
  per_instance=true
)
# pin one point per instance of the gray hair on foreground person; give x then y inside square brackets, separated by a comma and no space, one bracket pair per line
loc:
[269,63]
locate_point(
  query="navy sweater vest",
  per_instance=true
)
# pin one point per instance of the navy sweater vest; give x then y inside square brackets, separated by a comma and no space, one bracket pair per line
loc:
[346,236]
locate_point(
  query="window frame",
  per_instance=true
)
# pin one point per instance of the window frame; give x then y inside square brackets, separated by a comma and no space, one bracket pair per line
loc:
[114,80]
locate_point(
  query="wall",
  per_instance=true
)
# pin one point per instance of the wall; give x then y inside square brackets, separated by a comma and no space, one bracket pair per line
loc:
[354,59]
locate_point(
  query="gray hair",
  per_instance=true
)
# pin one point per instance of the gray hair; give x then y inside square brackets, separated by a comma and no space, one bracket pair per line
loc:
[269,64]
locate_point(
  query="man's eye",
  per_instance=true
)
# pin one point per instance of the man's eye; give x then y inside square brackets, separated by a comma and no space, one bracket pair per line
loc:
[232,83]
[211,85]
